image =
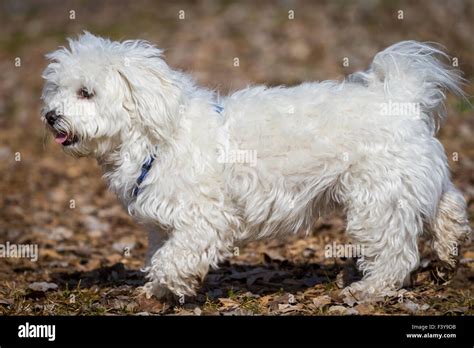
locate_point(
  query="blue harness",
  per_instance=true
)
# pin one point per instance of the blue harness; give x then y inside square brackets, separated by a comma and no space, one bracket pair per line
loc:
[146,166]
[218,108]
[145,169]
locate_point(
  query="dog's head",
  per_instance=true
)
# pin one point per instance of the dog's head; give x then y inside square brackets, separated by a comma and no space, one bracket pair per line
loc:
[99,94]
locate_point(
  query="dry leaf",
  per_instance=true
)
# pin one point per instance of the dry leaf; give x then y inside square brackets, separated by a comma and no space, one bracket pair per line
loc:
[364,308]
[321,301]
[150,305]
[411,306]
[337,310]
[228,303]
[6,302]
[351,311]
[273,255]
[287,308]
[42,286]
[50,254]
[349,299]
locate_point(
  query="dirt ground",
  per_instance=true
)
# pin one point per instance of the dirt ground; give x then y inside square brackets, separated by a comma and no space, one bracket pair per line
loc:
[61,203]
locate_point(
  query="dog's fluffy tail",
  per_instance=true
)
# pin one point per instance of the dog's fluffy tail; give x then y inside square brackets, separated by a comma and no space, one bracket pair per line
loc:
[415,72]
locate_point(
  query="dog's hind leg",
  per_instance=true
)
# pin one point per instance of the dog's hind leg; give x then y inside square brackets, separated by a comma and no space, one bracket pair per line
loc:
[383,218]
[450,226]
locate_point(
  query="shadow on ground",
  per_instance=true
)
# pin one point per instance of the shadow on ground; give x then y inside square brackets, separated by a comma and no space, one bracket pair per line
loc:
[262,279]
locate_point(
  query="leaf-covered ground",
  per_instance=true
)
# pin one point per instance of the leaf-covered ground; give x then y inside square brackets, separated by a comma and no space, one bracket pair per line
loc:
[61,204]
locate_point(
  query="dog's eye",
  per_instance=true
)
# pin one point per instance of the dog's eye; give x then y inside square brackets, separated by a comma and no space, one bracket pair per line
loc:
[84,93]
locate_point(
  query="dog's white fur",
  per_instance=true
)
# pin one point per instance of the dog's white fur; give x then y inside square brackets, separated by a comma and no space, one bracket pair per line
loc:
[317,146]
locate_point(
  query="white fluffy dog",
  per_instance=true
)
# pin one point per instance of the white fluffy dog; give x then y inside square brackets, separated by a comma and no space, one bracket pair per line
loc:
[205,175]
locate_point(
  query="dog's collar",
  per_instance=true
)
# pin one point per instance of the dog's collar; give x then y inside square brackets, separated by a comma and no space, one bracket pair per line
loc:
[146,166]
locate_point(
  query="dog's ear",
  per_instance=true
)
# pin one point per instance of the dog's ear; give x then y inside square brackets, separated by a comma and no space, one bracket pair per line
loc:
[153,90]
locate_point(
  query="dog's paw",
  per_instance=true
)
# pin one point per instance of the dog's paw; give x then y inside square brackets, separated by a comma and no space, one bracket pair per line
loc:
[157,290]
[364,291]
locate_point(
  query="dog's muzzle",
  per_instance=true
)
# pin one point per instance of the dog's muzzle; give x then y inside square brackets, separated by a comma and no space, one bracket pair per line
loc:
[60,137]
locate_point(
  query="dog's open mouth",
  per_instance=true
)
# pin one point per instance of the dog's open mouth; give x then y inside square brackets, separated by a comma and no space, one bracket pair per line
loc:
[64,139]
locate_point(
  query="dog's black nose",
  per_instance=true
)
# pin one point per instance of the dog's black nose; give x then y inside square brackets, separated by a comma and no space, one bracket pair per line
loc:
[51,117]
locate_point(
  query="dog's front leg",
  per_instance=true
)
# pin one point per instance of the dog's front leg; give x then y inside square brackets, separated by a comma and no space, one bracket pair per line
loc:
[156,239]
[183,261]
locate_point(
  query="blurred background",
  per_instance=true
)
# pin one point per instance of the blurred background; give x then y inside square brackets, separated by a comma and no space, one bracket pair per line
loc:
[60,203]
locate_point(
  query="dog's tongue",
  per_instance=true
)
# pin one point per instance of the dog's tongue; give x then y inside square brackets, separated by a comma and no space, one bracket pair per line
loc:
[60,138]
